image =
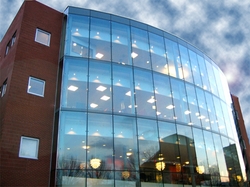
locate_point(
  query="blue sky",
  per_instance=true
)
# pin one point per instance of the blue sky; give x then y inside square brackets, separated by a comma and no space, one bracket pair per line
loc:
[221,29]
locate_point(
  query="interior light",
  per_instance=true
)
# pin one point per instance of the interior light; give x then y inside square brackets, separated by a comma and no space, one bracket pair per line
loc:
[187,112]
[129,153]
[85,147]
[151,100]
[95,163]
[71,132]
[101,88]
[105,98]
[72,88]
[154,107]
[93,105]
[158,113]
[170,107]
[74,44]
[128,93]
[134,55]
[130,106]
[99,55]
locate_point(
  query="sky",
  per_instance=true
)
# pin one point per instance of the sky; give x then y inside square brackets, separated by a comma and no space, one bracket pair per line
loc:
[221,29]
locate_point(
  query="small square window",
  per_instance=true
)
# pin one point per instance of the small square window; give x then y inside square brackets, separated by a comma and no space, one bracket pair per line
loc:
[42,37]
[36,86]
[29,147]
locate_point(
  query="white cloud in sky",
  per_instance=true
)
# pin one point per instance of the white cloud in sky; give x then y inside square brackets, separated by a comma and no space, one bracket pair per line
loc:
[221,29]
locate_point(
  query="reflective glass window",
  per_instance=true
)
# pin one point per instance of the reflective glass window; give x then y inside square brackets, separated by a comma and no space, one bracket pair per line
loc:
[74,85]
[123,89]
[211,112]
[211,155]
[173,57]
[77,39]
[72,141]
[220,157]
[203,115]
[148,147]
[100,39]
[121,48]
[182,112]
[225,88]
[100,143]
[204,75]
[201,155]
[218,82]
[219,115]
[158,55]
[193,105]
[140,48]
[227,113]
[195,68]
[144,93]
[187,149]
[211,77]
[125,139]
[169,146]
[164,102]
[186,66]
[100,86]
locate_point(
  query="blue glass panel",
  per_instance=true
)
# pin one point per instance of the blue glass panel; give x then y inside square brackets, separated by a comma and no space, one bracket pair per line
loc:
[193,105]
[100,39]
[74,83]
[201,155]
[123,90]
[220,157]
[144,95]
[212,81]
[158,55]
[77,39]
[121,49]
[203,115]
[72,141]
[211,111]
[125,144]
[173,57]
[195,68]
[100,86]
[148,143]
[219,115]
[180,101]
[100,141]
[186,66]
[212,159]
[164,102]
[204,75]
[140,48]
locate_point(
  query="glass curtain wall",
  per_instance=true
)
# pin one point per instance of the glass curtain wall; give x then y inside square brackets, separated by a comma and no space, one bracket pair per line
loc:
[139,109]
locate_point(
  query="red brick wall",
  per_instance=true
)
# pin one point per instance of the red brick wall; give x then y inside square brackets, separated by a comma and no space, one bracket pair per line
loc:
[26,114]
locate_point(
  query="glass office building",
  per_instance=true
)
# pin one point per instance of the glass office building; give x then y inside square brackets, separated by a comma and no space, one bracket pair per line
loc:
[141,107]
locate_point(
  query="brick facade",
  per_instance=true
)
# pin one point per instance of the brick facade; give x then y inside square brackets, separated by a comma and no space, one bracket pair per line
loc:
[24,114]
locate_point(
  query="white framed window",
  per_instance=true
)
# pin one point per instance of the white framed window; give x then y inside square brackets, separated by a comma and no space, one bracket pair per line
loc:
[36,86]
[42,37]
[29,147]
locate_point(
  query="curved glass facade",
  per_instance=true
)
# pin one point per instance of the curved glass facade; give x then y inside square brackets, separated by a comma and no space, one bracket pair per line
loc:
[141,107]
